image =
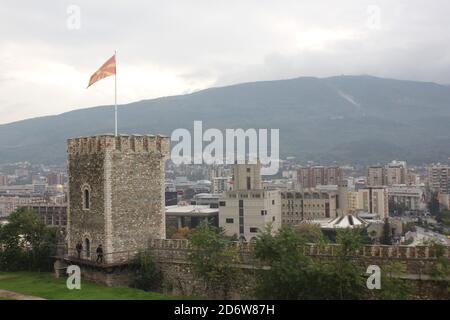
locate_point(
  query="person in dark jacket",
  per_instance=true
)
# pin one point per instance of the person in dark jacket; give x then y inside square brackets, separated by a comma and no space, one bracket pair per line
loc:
[79,248]
[99,254]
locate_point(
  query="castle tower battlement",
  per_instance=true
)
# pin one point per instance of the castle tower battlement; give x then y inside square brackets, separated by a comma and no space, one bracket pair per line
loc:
[116,193]
[124,143]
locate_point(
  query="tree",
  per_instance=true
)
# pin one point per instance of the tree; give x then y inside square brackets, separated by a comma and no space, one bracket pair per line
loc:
[147,275]
[291,274]
[433,204]
[441,267]
[387,233]
[213,258]
[393,287]
[310,233]
[26,242]
[345,276]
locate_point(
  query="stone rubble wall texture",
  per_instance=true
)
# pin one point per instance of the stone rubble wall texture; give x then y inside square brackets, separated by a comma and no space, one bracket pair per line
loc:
[125,176]
[172,257]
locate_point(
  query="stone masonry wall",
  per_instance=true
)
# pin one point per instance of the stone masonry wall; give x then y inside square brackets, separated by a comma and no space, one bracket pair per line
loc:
[171,256]
[86,170]
[125,179]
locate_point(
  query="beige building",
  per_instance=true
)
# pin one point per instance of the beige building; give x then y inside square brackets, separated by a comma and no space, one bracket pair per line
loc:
[299,206]
[439,178]
[376,176]
[352,201]
[444,200]
[310,177]
[247,176]
[394,173]
[221,184]
[10,203]
[374,200]
[412,198]
[245,213]
[3,180]
[248,209]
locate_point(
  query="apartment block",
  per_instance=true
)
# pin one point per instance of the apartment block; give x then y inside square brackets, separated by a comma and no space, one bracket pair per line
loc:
[439,178]
[310,177]
[299,206]
[374,200]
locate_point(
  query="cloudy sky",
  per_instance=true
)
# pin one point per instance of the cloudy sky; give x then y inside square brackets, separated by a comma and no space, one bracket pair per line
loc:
[49,49]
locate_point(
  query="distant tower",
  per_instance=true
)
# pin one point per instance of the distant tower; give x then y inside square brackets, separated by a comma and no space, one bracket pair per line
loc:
[116,193]
[342,197]
[247,176]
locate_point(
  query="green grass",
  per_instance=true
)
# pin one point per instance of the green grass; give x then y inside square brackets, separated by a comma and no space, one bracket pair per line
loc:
[44,285]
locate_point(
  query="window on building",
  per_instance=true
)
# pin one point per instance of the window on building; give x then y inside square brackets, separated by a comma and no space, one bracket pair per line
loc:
[253,230]
[229,220]
[273,201]
[86,199]
[87,246]
[222,203]
[249,184]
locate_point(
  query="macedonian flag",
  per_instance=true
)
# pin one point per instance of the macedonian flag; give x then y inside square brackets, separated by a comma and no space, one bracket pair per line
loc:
[106,70]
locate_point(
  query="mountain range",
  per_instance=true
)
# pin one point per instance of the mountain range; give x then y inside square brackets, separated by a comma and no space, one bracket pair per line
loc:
[342,119]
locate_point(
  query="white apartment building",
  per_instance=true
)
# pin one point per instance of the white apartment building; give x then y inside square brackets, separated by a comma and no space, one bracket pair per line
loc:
[412,198]
[244,213]
[374,200]
[248,209]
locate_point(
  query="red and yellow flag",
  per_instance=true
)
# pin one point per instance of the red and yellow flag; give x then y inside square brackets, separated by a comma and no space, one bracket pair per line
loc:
[106,70]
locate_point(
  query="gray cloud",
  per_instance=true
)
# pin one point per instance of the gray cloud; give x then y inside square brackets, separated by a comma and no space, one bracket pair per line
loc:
[174,46]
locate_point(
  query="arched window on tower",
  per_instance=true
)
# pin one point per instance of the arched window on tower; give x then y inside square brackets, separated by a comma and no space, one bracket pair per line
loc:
[86,199]
[87,245]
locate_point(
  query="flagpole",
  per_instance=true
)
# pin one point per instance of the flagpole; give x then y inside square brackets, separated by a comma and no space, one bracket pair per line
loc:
[115,95]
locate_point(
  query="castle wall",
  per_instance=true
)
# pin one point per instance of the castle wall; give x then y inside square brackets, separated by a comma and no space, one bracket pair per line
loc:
[86,170]
[124,178]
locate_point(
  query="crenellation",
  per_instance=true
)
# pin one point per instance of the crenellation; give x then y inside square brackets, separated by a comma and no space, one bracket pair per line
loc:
[370,251]
[123,143]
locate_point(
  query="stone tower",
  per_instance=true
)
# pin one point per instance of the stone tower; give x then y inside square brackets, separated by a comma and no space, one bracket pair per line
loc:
[116,193]
[247,176]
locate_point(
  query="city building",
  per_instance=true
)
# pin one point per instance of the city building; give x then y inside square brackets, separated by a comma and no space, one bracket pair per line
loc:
[191,216]
[11,202]
[393,173]
[439,178]
[408,197]
[221,184]
[3,180]
[396,173]
[248,209]
[310,177]
[51,214]
[206,199]
[376,176]
[296,207]
[374,200]
[352,198]
[247,177]
[171,198]
[444,201]
[54,178]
